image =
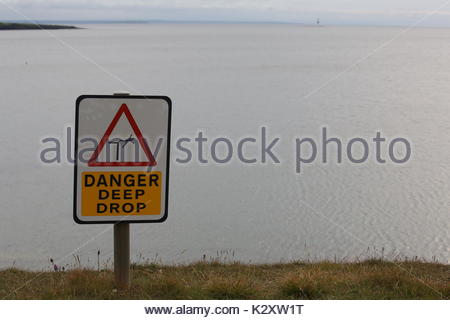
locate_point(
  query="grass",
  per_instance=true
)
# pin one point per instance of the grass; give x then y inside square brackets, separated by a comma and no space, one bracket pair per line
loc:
[371,279]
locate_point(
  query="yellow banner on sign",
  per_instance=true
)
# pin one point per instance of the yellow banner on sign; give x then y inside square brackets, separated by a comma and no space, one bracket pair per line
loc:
[117,193]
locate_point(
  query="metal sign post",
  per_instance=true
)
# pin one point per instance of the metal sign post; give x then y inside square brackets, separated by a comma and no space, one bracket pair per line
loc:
[121,180]
[122,245]
[122,254]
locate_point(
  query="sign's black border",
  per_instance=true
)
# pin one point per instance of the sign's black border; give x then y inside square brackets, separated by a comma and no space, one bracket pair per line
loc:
[169,104]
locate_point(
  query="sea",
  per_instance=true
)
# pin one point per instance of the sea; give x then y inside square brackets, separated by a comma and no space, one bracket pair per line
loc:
[282,82]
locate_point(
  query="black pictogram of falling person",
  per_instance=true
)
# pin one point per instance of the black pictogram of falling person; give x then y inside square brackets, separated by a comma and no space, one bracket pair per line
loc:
[121,143]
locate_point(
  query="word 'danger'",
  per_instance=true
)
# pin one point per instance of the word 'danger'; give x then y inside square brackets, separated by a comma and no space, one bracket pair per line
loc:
[124,179]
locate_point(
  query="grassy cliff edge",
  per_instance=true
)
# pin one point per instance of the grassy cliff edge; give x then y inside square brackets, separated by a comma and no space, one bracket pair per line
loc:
[371,279]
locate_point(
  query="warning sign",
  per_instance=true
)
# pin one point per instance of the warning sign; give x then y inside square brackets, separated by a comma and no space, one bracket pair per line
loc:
[122,178]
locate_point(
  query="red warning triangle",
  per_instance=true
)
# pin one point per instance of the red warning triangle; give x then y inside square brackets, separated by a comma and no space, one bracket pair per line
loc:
[122,110]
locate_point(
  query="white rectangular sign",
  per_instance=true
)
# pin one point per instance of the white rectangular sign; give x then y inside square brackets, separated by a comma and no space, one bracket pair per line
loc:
[122,148]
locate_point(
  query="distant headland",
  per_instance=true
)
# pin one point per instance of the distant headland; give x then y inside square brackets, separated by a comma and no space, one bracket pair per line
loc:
[32,26]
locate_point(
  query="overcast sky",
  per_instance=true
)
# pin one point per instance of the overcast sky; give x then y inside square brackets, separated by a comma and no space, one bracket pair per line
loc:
[363,12]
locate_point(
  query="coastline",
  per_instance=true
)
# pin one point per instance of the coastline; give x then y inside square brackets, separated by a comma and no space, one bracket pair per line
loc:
[33,26]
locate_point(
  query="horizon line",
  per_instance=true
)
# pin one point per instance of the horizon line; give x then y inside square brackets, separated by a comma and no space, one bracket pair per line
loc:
[175,21]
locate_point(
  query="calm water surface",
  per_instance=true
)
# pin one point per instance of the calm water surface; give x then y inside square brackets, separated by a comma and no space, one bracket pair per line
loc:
[230,80]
